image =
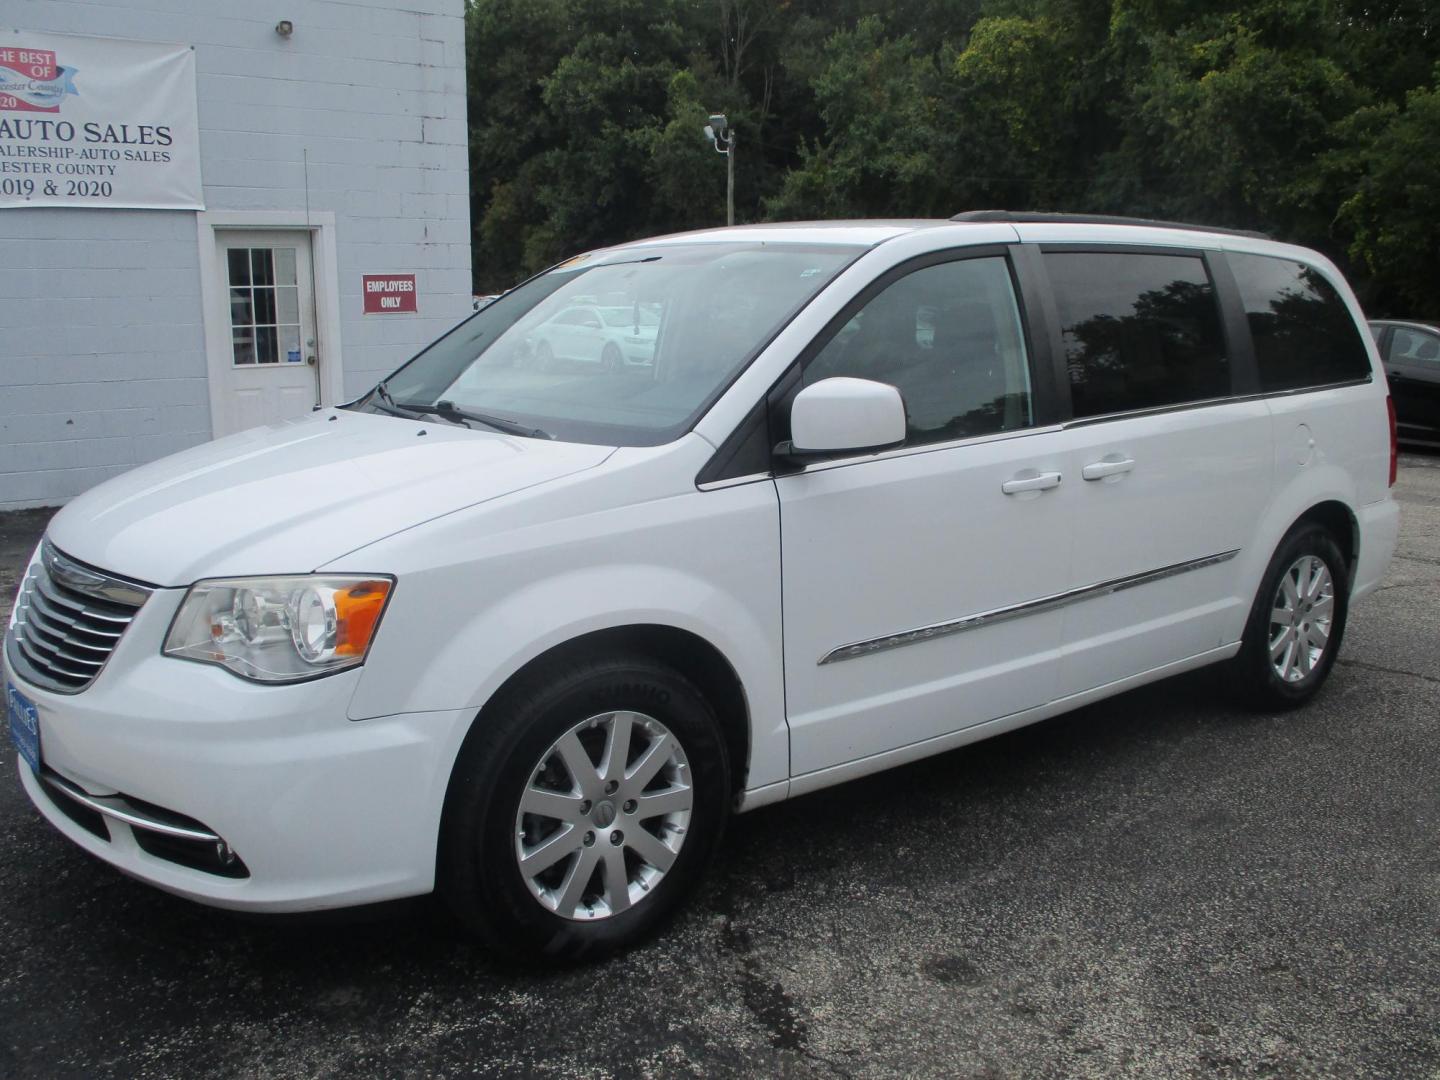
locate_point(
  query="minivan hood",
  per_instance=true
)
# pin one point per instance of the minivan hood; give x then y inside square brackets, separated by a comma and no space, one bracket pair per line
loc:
[293,496]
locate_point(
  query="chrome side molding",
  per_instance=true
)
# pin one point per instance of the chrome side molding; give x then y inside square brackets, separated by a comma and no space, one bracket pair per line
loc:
[1030,607]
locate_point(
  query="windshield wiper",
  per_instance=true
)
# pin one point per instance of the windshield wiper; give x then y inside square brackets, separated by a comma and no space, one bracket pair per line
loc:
[389,405]
[448,410]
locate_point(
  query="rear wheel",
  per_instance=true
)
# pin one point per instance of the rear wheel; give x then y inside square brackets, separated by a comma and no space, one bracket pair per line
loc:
[610,359]
[584,808]
[1298,621]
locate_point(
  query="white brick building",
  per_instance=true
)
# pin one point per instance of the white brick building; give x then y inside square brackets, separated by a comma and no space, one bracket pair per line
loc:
[335,152]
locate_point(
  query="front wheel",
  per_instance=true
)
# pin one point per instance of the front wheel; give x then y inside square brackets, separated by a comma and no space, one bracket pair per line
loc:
[584,808]
[1298,621]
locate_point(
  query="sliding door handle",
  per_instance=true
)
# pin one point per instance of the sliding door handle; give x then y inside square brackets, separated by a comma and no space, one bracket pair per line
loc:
[1038,482]
[1099,470]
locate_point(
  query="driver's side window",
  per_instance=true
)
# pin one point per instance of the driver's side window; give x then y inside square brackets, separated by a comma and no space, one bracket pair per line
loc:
[1414,346]
[949,338]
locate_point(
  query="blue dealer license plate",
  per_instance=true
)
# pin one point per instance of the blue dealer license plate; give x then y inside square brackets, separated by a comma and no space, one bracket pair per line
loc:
[24,725]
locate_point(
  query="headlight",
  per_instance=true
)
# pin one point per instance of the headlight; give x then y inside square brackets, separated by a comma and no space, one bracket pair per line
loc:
[280,629]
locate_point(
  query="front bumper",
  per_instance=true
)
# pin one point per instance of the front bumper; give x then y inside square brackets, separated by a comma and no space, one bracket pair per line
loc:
[322,811]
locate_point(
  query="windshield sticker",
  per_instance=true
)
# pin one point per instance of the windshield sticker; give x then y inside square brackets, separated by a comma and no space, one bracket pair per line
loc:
[572,263]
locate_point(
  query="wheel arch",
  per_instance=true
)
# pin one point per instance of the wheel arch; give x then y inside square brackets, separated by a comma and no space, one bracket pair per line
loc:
[1324,494]
[1339,520]
[694,657]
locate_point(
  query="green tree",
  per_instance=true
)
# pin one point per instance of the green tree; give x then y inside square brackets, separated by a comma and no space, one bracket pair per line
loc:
[880,99]
[1315,120]
[1224,115]
[1392,214]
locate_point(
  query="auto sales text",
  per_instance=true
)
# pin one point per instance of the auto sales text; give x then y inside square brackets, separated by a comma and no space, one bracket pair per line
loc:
[89,132]
[89,160]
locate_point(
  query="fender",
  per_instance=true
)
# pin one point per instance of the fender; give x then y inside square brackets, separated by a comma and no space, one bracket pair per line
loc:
[1301,494]
[1321,455]
[490,599]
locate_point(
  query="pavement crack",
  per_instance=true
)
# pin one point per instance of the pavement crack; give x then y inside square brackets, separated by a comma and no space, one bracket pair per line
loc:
[1388,670]
[1427,560]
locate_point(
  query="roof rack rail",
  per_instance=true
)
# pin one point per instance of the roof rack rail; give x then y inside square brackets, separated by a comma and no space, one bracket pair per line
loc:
[1019,217]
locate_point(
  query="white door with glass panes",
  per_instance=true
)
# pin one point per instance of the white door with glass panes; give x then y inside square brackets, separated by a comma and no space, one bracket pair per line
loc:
[273,372]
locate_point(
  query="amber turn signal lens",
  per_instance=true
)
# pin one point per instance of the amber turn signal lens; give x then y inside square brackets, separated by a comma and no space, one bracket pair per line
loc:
[357,610]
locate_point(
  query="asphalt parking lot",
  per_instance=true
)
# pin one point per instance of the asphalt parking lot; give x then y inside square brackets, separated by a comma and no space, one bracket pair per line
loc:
[1159,885]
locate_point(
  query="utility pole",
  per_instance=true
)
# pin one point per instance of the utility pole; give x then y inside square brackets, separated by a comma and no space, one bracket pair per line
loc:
[730,178]
[722,137]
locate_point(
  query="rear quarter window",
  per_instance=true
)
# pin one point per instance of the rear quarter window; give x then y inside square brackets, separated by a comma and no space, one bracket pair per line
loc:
[1303,333]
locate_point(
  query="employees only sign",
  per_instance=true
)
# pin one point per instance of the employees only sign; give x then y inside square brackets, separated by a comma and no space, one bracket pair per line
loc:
[97,122]
[387,293]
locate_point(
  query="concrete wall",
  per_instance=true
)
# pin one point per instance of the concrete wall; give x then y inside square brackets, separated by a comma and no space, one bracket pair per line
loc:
[102,359]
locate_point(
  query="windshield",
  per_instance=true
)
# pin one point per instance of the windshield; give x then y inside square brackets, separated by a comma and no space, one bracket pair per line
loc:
[626,348]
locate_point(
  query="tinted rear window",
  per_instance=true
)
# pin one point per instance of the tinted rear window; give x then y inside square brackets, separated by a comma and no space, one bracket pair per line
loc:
[1303,332]
[1141,331]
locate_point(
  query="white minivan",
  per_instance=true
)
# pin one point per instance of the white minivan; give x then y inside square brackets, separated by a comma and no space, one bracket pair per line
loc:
[526,635]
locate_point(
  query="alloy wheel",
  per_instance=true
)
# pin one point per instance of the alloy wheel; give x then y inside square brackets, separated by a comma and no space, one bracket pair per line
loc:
[1301,618]
[603,815]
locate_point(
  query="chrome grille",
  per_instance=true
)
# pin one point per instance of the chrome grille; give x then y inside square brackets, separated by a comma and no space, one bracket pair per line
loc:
[68,620]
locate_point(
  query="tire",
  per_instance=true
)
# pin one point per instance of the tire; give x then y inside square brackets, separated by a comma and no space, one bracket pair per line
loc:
[1280,665]
[523,747]
[610,359]
[544,356]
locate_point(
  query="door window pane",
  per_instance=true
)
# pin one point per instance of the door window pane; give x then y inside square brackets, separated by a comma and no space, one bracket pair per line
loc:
[264,305]
[290,345]
[949,338]
[1414,346]
[284,266]
[242,311]
[242,341]
[1141,331]
[262,266]
[1303,332]
[238,260]
[287,305]
[266,349]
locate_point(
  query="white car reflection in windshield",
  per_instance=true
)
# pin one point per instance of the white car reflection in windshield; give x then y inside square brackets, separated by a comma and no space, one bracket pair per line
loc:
[611,337]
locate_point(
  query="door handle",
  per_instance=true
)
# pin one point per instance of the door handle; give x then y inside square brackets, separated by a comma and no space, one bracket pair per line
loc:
[1039,482]
[1099,470]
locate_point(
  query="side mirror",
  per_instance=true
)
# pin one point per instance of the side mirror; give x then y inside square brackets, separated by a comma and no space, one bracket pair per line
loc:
[835,415]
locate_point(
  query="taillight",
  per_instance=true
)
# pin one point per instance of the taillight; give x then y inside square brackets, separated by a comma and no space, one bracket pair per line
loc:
[1394,443]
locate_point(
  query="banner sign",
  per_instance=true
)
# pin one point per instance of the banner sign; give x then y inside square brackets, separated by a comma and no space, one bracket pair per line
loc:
[97,122]
[387,293]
